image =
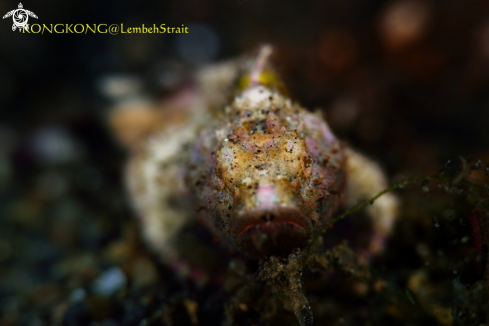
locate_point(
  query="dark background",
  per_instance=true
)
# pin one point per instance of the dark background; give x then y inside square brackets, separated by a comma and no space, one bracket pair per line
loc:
[407,82]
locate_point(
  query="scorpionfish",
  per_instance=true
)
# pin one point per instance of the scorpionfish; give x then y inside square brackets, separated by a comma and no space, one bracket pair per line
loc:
[233,151]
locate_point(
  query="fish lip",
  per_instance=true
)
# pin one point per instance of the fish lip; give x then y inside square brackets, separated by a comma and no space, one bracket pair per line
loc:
[288,228]
[282,215]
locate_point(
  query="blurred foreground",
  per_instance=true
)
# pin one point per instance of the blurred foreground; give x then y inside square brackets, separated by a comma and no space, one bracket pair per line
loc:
[406,82]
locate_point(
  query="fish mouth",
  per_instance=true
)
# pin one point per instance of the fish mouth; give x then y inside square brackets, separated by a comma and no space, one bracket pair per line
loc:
[277,230]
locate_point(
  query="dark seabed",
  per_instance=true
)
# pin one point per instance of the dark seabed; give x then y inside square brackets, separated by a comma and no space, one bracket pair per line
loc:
[405,82]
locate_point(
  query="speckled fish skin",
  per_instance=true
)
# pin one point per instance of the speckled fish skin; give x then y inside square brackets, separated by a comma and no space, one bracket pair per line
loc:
[271,173]
[264,173]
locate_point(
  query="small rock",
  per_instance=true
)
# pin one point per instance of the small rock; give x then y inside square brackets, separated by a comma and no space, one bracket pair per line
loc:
[77,295]
[109,282]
